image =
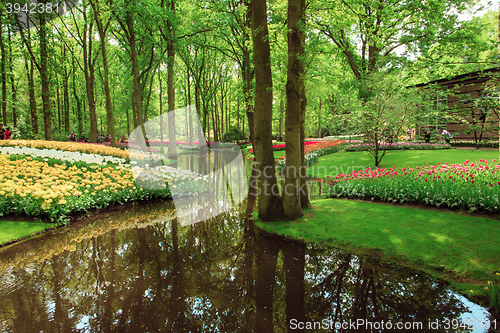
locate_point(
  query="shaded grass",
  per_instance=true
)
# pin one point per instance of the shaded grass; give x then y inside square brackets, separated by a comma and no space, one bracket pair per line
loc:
[346,162]
[278,154]
[444,244]
[12,230]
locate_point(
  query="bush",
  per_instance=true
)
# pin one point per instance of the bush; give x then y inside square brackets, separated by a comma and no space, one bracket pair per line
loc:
[473,144]
[233,135]
[398,146]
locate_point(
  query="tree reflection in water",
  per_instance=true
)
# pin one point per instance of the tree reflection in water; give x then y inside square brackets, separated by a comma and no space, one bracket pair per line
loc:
[139,271]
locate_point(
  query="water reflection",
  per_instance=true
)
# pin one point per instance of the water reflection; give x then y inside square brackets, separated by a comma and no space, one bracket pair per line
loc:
[138,270]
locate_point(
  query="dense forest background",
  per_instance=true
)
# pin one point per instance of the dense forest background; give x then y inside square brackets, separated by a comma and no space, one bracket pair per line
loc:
[107,66]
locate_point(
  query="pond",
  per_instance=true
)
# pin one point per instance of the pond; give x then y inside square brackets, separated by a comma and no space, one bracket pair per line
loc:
[138,270]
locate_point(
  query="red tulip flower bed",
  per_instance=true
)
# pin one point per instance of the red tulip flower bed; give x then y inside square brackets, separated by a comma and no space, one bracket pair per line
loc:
[472,186]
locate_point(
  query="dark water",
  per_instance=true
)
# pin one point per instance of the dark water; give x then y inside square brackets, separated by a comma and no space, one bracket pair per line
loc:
[137,270]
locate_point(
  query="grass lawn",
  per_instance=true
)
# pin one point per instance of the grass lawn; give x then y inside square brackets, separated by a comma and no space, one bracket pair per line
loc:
[444,244]
[11,230]
[278,154]
[333,164]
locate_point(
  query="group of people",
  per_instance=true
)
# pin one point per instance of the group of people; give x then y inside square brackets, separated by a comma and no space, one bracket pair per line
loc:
[74,138]
[5,134]
[100,138]
[441,131]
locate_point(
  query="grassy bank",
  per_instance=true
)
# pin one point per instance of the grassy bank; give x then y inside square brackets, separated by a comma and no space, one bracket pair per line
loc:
[13,230]
[447,245]
[331,165]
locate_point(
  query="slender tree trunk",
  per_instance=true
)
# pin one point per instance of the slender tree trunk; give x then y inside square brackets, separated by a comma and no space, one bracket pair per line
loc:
[190,129]
[58,99]
[12,80]
[33,123]
[161,109]
[172,148]
[44,76]
[148,99]
[128,123]
[319,119]
[291,193]
[109,106]
[499,51]
[282,111]
[66,95]
[89,72]
[269,202]
[78,102]
[3,61]
[238,118]
[214,121]
[304,195]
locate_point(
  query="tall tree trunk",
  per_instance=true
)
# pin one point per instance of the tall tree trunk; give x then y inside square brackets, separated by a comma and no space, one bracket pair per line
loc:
[12,80]
[247,70]
[109,106]
[291,193]
[172,148]
[44,75]
[31,92]
[58,100]
[66,94]
[190,129]
[282,111]
[304,195]
[161,109]
[319,119]
[78,102]
[89,72]
[3,77]
[499,51]
[270,207]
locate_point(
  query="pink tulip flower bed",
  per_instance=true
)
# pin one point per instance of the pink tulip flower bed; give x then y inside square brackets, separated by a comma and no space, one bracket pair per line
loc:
[471,185]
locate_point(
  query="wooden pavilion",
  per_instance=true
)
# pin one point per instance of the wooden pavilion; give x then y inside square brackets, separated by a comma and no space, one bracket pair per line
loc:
[472,97]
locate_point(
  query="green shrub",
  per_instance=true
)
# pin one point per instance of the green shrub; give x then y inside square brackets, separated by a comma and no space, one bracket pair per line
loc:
[233,135]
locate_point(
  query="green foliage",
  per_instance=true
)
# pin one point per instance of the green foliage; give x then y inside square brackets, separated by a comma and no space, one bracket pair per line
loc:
[386,110]
[233,135]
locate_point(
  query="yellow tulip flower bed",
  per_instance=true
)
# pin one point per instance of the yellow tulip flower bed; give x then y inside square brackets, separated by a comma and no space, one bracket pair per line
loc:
[67,146]
[56,189]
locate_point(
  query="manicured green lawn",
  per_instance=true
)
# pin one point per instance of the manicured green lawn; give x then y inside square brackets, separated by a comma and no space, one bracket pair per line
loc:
[11,230]
[333,164]
[278,154]
[436,241]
